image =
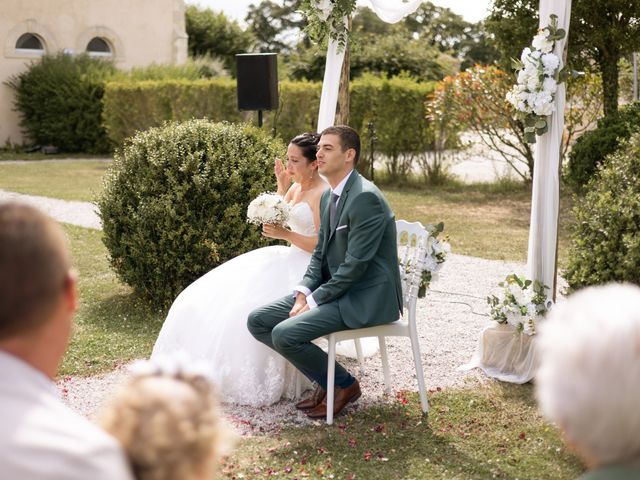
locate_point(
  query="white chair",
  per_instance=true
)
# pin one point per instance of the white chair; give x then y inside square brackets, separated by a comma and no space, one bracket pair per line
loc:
[411,251]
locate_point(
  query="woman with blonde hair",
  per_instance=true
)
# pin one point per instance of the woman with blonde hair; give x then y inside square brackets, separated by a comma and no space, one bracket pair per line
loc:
[168,421]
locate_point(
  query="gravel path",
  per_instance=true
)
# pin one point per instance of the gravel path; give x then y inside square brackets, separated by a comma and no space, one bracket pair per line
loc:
[450,319]
[83,214]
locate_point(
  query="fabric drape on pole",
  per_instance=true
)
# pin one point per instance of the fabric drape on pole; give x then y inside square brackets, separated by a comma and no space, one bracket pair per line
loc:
[543,232]
[390,11]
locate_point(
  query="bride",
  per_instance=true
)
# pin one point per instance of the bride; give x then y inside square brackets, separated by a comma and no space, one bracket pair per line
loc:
[208,319]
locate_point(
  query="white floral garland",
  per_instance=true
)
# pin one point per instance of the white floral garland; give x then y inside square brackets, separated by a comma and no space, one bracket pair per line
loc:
[539,74]
[326,19]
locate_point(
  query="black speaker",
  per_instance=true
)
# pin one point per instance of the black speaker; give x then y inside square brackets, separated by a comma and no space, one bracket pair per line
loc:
[257,81]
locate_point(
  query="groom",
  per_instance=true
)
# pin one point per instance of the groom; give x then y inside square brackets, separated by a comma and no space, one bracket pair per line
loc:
[352,280]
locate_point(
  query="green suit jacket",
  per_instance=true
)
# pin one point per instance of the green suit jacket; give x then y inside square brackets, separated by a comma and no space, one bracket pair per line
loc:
[356,260]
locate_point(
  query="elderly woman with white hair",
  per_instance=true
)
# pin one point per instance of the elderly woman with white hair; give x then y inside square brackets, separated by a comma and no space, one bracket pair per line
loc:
[589,378]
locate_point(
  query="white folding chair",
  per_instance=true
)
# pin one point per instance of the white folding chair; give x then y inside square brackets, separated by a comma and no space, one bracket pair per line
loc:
[412,249]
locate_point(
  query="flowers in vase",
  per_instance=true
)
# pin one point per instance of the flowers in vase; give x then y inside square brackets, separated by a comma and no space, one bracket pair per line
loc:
[268,208]
[539,74]
[520,305]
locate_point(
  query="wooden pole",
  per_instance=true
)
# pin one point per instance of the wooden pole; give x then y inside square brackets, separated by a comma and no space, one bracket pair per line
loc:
[342,113]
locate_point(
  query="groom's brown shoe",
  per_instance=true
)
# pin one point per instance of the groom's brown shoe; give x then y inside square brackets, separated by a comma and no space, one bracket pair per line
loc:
[342,397]
[314,400]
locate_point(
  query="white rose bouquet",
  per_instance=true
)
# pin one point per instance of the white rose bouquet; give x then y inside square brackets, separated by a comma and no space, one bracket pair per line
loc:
[521,304]
[268,208]
[539,74]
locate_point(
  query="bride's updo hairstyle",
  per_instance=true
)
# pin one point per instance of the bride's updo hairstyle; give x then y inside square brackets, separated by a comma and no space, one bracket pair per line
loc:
[308,143]
[168,422]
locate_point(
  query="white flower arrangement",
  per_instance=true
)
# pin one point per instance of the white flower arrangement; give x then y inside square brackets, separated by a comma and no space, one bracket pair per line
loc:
[268,208]
[539,74]
[522,303]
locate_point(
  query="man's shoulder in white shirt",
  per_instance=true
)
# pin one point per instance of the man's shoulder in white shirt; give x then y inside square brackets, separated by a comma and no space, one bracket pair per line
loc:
[41,438]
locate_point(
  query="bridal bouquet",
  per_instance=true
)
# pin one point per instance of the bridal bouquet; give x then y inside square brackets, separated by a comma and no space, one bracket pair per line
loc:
[539,74]
[268,208]
[520,305]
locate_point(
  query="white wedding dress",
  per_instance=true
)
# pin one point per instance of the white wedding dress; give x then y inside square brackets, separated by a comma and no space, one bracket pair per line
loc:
[208,320]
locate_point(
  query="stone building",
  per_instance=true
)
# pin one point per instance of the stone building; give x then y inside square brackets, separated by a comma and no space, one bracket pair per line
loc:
[132,33]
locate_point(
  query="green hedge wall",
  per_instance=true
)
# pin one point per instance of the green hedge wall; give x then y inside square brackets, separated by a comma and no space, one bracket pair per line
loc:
[396,106]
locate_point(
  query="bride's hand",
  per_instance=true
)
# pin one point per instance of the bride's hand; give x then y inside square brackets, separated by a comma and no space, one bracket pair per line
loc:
[283,178]
[277,232]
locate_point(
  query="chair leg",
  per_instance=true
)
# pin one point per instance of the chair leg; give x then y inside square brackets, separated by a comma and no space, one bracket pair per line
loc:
[358,345]
[331,377]
[385,365]
[298,384]
[417,359]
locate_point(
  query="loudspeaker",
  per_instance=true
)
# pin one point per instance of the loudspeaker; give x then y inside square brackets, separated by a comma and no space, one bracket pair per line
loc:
[257,81]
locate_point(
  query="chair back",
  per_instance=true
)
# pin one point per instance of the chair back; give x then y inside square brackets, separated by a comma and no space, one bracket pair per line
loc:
[412,248]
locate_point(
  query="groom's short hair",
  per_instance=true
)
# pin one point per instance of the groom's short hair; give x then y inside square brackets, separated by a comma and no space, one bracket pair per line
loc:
[34,268]
[349,138]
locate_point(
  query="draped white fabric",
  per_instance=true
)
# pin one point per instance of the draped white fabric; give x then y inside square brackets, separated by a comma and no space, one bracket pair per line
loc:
[390,11]
[541,259]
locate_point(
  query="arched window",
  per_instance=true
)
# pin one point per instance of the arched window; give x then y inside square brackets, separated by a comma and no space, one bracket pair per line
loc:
[99,47]
[30,42]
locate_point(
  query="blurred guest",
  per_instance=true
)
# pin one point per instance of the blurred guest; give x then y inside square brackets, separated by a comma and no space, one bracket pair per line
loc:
[167,419]
[589,378]
[40,438]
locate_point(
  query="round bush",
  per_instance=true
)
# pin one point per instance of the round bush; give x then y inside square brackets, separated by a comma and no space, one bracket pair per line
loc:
[606,243]
[174,202]
[591,148]
[60,100]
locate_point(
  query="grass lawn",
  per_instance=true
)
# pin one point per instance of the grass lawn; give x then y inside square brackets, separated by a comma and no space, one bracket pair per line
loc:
[67,180]
[489,432]
[112,327]
[483,220]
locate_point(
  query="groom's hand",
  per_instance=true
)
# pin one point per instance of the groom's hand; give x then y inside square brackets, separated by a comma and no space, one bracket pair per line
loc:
[300,305]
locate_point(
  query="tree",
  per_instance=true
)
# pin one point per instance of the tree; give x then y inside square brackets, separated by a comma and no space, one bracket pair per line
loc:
[600,34]
[275,26]
[450,33]
[212,33]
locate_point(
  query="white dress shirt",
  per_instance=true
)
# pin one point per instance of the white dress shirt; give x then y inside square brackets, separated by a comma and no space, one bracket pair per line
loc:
[301,288]
[42,439]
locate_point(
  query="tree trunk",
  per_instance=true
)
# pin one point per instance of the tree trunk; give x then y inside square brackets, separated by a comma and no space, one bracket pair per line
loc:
[608,63]
[342,113]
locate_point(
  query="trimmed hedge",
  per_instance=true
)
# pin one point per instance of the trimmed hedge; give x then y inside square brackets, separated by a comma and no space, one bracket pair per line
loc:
[59,99]
[174,202]
[606,242]
[590,150]
[396,106]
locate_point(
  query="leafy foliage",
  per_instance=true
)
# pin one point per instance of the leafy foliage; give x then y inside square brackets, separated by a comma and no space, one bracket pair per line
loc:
[606,242]
[590,150]
[212,33]
[396,106]
[174,204]
[274,24]
[325,20]
[59,98]
[390,54]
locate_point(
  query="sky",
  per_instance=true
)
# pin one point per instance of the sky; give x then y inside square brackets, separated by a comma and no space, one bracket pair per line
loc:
[471,10]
